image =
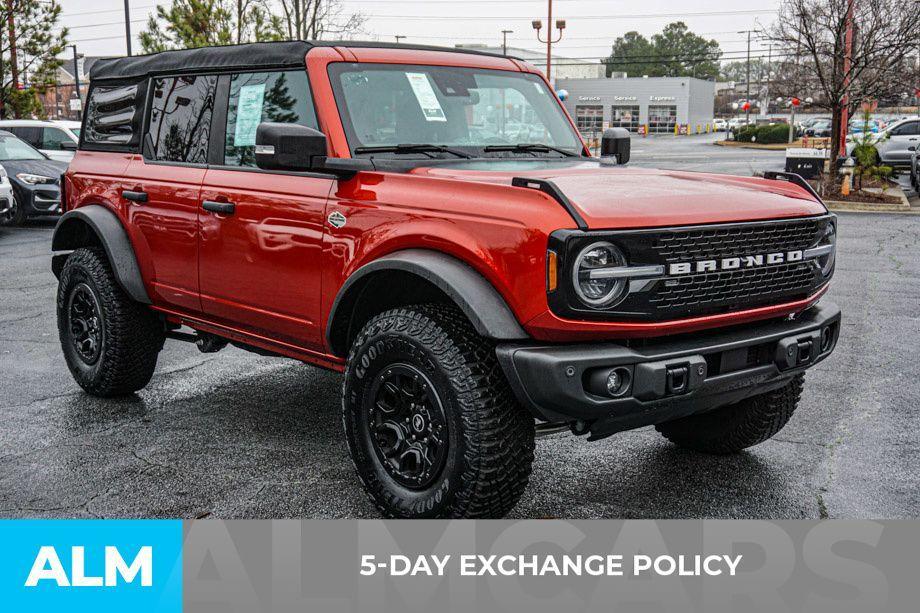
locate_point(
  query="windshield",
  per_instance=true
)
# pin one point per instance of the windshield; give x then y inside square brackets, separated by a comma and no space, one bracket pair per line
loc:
[11,148]
[471,109]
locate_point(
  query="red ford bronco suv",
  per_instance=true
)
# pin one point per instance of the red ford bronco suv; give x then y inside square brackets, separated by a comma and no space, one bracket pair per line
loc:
[429,222]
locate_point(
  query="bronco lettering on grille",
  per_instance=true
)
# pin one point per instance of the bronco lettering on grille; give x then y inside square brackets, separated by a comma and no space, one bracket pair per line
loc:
[735,263]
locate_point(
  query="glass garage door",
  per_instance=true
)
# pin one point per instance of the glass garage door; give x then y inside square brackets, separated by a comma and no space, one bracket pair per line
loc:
[625,116]
[589,119]
[662,119]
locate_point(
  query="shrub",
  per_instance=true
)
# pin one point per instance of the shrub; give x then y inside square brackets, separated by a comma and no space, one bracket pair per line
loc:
[766,134]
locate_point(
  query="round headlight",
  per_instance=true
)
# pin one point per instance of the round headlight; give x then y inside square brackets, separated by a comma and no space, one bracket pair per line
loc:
[591,286]
[830,238]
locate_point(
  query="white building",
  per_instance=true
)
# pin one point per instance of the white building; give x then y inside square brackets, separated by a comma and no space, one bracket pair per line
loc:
[563,67]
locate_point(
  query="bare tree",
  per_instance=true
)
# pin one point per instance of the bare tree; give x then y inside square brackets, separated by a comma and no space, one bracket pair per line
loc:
[813,35]
[317,19]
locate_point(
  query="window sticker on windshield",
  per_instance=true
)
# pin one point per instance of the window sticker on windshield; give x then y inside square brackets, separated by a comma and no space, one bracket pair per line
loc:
[248,114]
[426,97]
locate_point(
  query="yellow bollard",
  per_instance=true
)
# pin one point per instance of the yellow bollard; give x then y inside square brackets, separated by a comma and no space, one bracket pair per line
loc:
[845,187]
[676,129]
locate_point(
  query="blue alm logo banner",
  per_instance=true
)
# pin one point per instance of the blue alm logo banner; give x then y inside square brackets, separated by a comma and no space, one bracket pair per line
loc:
[90,565]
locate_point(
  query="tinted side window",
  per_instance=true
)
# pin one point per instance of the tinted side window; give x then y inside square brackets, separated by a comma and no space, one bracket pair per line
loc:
[180,119]
[33,136]
[52,139]
[908,129]
[113,117]
[282,97]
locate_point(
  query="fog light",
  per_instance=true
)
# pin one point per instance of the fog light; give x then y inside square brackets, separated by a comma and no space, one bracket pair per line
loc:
[618,382]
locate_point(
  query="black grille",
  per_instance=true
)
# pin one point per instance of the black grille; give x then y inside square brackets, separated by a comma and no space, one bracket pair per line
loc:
[727,241]
[706,293]
[751,286]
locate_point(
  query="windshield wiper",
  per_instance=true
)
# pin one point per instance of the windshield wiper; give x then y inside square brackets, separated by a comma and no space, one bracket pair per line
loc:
[414,148]
[530,147]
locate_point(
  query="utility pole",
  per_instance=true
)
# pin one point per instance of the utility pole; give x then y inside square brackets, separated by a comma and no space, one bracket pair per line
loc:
[76,74]
[505,34]
[128,26]
[560,25]
[748,76]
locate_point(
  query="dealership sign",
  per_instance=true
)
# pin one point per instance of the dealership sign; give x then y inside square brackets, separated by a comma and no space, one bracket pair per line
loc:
[662,98]
[589,98]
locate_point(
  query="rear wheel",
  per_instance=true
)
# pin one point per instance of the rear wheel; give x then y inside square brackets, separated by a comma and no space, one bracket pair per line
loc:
[110,342]
[432,426]
[737,426]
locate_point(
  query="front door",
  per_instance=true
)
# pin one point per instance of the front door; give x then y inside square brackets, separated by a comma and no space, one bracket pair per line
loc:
[162,186]
[261,232]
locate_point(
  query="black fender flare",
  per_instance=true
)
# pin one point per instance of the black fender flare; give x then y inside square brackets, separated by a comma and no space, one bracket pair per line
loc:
[70,234]
[476,297]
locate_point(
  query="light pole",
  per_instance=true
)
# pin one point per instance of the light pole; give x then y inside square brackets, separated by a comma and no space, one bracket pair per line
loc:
[538,25]
[128,26]
[505,34]
[76,74]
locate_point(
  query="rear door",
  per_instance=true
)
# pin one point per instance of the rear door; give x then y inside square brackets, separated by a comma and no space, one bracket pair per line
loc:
[896,149]
[163,184]
[259,261]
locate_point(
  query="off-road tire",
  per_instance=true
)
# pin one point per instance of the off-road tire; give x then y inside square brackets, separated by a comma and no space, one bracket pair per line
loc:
[132,335]
[490,436]
[738,426]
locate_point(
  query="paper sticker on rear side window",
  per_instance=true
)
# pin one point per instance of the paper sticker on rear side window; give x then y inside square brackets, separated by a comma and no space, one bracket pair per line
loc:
[426,97]
[248,114]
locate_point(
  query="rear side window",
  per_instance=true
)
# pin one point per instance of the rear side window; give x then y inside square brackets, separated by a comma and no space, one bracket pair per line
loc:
[180,119]
[31,135]
[113,117]
[282,97]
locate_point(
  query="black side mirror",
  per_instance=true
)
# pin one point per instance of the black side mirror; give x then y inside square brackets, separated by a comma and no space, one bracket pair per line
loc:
[289,146]
[912,148]
[68,145]
[616,143]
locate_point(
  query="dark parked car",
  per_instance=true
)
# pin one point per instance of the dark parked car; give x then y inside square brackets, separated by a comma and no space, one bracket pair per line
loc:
[34,177]
[820,128]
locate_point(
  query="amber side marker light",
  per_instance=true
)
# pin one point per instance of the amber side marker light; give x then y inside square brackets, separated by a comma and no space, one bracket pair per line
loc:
[552,271]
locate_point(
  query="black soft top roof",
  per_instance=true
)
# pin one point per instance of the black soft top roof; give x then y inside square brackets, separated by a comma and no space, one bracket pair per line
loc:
[286,54]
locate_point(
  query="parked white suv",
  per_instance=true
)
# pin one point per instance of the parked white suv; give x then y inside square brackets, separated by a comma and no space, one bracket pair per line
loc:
[56,139]
[6,194]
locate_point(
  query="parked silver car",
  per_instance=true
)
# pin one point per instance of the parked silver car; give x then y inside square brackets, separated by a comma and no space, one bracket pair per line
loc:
[894,143]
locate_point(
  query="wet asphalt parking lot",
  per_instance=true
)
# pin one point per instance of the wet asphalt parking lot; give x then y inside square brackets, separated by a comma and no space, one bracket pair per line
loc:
[234,435]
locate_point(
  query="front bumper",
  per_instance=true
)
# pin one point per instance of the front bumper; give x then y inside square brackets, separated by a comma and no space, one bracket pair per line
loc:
[666,379]
[41,199]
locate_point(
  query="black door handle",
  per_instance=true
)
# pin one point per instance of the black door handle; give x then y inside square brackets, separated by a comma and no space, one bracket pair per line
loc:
[225,208]
[134,196]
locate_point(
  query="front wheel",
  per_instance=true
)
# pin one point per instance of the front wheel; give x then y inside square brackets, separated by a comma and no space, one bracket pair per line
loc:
[737,426]
[15,216]
[433,428]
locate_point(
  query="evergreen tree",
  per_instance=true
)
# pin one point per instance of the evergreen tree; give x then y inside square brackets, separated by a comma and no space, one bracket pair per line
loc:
[35,47]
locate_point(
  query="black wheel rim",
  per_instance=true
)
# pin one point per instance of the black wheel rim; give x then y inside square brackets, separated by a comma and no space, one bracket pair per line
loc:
[85,323]
[406,426]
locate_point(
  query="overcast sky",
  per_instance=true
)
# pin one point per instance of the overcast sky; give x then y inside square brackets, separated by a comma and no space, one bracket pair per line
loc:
[97,26]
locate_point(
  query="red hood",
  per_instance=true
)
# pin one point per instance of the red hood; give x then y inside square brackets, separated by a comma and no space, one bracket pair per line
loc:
[623,197]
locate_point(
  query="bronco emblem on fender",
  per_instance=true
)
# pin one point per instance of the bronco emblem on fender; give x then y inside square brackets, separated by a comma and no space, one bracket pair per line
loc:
[336,219]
